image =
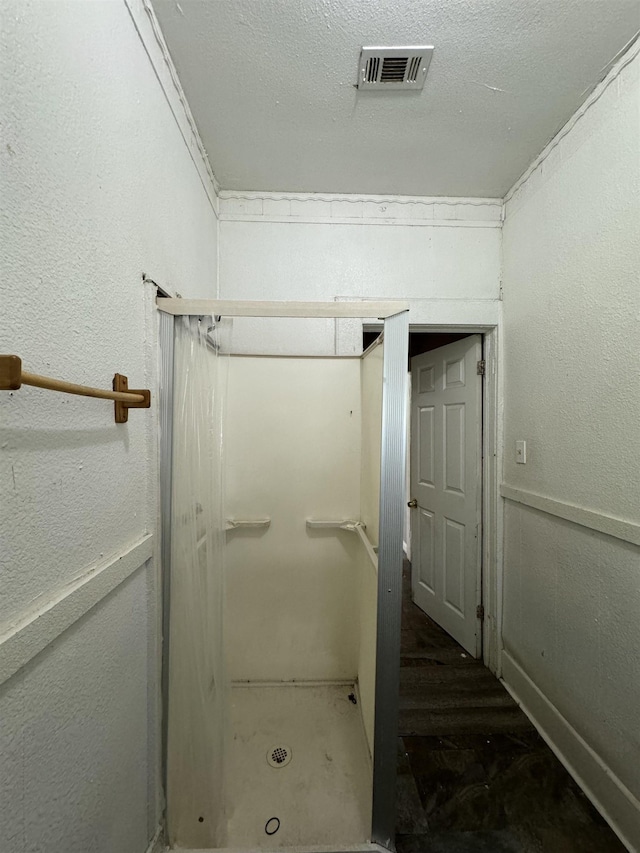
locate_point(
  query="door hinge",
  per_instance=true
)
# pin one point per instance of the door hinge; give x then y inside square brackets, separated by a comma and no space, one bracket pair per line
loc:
[480,611]
[481,367]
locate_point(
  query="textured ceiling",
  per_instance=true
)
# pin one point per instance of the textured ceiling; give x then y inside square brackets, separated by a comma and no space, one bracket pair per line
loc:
[271,86]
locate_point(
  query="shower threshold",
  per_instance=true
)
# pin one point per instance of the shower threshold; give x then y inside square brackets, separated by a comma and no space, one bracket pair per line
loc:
[299,770]
[350,848]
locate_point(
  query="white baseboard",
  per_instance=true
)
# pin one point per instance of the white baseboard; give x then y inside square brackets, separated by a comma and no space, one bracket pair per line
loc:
[609,795]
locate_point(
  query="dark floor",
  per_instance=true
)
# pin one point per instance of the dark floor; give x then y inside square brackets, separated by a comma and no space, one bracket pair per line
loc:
[473,774]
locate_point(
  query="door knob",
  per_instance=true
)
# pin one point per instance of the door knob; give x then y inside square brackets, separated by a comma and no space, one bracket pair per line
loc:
[413,503]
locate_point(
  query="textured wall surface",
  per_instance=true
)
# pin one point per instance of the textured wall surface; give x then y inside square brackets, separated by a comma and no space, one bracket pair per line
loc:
[73,736]
[442,256]
[97,187]
[572,373]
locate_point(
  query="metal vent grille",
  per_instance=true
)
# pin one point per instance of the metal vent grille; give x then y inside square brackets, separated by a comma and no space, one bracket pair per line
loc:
[372,69]
[393,70]
[414,68]
[386,68]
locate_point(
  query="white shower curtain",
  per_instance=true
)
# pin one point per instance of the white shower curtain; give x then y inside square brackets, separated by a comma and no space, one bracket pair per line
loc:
[198,692]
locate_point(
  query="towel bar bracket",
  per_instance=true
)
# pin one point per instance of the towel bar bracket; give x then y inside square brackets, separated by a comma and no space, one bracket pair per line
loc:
[121,383]
[10,373]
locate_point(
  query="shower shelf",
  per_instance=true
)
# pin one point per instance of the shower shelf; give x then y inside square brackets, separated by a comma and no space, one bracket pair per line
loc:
[334,525]
[353,527]
[372,550]
[236,523]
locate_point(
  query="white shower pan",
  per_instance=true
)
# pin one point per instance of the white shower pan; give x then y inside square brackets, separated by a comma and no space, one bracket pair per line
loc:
[323,792]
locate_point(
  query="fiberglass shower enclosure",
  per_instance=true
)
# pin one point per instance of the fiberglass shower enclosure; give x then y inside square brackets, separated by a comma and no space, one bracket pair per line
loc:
[282,482]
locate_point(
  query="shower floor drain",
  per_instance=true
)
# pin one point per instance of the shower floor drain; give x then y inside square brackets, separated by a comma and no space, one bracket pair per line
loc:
[279,755]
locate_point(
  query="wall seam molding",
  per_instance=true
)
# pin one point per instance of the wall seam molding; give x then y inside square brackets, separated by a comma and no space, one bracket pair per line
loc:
[626,56]
[21,641]
[347,209]
[144,18]
[615,802]
[619,528]
[344,220]
[477,201]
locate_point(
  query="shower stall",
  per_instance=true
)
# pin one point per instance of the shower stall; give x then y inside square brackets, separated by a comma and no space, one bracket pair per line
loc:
[282,485]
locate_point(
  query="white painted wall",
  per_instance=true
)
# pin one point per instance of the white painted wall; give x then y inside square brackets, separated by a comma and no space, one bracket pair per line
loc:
[97,187]
[571,308]
[74,734]
[443,255]
[292,451]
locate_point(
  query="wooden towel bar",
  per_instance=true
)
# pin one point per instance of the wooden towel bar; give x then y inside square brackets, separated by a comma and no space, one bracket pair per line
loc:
[12,377]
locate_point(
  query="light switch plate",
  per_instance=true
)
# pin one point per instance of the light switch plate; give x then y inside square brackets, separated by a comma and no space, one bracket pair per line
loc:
[521,452]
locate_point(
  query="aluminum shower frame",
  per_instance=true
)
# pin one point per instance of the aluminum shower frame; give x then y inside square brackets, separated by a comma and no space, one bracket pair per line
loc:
[392,499]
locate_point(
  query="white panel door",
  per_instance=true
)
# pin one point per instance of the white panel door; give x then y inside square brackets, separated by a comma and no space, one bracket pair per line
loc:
[446,482]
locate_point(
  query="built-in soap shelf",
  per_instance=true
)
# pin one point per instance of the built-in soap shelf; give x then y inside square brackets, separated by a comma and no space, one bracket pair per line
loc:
[353,527]
[334,525]
[244,523]
[372,550]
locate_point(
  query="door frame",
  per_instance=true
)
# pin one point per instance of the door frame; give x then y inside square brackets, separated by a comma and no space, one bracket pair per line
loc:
[492,503]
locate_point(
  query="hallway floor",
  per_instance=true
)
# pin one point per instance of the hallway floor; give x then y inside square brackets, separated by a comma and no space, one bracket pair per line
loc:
[473,774]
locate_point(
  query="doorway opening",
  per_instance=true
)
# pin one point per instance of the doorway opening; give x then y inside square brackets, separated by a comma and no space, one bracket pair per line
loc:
[471,764]
[443,526]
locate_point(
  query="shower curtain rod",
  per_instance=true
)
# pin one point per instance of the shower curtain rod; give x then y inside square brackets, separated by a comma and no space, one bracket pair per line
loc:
[234,308]
[12,377]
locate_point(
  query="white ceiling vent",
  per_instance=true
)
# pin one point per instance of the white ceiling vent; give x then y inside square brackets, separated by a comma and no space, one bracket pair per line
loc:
[385,68]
